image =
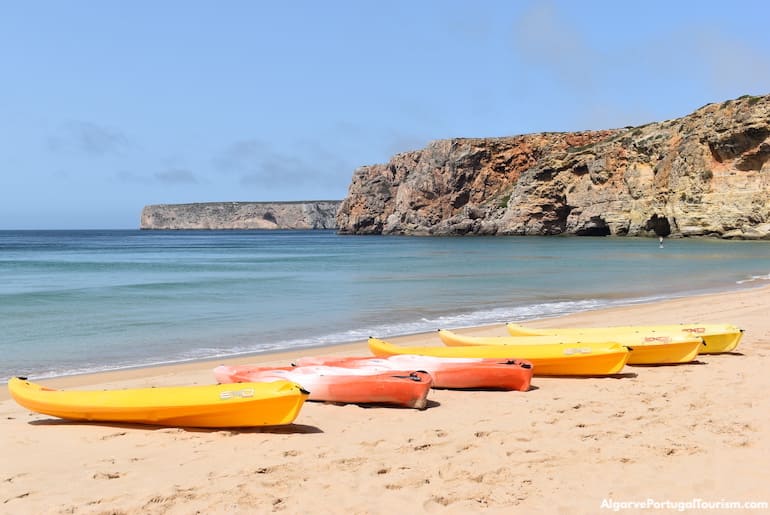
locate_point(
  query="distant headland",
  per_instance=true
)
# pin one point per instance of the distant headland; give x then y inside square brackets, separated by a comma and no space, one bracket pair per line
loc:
[312,214]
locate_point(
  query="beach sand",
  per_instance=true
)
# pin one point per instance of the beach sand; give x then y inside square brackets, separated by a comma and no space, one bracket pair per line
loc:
[663,434]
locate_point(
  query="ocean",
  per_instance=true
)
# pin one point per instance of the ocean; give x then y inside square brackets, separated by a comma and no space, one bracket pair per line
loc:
[87,301]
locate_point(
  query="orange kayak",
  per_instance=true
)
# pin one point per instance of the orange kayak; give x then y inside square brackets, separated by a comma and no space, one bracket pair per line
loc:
[455,373]
[342,385]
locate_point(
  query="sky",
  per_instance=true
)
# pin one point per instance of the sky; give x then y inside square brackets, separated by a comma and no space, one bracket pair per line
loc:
[108,106]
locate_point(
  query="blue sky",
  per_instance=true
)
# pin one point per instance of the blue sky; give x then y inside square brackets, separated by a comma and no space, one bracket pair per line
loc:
[108,106]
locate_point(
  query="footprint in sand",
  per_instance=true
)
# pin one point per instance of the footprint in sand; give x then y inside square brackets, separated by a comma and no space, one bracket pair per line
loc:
[113,435]
[437,499]
[372,444]
[107,475]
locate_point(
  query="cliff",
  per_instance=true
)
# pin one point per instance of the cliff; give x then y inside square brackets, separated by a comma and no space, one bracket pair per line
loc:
[241,215]
[706,174]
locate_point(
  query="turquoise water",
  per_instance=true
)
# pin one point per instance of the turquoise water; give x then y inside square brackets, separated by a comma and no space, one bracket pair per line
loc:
[85,301]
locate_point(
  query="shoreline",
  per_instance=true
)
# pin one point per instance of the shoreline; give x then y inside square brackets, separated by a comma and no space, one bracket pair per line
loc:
[566,446]
[359,346]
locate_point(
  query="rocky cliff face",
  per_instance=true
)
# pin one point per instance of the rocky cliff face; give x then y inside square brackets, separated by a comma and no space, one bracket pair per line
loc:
[707,174]
[241,215]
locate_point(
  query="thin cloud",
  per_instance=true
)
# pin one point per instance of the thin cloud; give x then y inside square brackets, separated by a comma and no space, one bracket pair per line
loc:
[176,176]
[731,66]
[543,36]
[256,162]
[171,176]
[380,143]
[398,143]
[89,138]
[276,169]
[127,177]
[556,55]
[602,87]
[242,156]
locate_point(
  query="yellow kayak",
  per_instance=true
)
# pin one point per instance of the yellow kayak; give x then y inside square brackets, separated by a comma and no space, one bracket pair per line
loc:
[718,338]
[226,405]
[655,350]
[590,359]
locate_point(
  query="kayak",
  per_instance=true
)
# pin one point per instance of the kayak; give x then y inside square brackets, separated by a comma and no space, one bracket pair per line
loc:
[242,405]
[718,338]
[644,350]
[367,385]
[588,359]
[454,373]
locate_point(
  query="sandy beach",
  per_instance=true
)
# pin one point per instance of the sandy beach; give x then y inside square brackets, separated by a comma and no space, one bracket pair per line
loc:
[697,433]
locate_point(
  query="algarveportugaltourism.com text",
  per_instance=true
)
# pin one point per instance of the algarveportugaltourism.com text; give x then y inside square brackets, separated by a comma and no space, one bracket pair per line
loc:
[693,504]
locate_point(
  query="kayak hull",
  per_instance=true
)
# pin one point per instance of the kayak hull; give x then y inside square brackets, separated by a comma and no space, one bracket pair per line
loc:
[243,405]
[371,385]
[547,360]
[644,350]
[450,373]
[717,338]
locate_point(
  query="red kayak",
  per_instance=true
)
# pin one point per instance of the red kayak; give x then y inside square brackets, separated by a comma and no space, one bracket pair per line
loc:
[482,373]
[365,385]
